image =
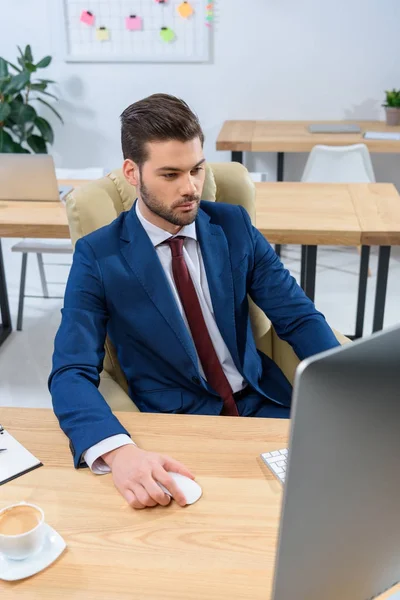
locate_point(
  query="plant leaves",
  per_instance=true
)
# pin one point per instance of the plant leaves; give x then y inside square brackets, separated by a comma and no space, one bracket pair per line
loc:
[4,111]
[28,54]
[44,62]
[30,67]
[22,113]
[45,129]
[47,94]
[3,82]
[17,83]
[47,81]
[14,66]
[51,108]
[19,149]
[6,141]
[38,86]
[3,67]
[37,144]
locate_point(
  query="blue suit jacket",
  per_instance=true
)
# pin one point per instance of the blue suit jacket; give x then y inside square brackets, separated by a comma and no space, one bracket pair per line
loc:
[117,286]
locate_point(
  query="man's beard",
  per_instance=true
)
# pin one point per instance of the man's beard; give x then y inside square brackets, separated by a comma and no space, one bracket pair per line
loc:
[168,213]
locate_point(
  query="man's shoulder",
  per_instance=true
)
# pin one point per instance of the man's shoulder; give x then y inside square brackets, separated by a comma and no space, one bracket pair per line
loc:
[225,215]
[220,211]
[107,235]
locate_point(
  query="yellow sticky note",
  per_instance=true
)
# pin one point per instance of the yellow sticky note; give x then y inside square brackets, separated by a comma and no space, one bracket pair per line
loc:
[102,34]
[166,34]
[185,9]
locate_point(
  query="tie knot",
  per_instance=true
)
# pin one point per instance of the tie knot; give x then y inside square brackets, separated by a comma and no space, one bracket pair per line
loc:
[176,245]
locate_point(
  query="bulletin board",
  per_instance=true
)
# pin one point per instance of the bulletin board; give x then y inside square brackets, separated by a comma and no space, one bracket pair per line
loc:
[138,30]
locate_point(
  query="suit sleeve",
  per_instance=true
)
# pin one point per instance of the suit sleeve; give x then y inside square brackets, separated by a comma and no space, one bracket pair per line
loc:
[276,292]
[83,414]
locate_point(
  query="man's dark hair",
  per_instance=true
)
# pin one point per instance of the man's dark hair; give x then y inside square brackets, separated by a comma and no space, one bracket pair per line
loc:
[157,118]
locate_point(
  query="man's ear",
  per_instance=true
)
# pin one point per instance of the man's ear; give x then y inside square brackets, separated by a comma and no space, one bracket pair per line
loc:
[131,171]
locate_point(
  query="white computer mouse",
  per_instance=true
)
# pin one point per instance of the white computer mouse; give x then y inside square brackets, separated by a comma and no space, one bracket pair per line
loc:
[190,489]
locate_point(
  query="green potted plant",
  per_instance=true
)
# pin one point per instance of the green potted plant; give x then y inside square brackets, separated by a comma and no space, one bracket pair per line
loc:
[392,107]
[22,130]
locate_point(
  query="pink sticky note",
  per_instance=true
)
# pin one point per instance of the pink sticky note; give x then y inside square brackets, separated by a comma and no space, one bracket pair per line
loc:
[87,17]
[134,23]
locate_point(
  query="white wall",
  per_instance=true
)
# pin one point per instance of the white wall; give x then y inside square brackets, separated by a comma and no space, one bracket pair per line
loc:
[273,59]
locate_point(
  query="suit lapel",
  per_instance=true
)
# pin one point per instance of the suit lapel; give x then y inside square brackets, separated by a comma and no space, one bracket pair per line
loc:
[217,263]
[142,258]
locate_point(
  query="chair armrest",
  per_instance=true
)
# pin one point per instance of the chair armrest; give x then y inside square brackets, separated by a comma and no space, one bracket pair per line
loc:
[285,357]
[114,395]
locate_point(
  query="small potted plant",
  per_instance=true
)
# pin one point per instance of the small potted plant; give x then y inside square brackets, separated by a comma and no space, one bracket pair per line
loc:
[392,107]
[22,129]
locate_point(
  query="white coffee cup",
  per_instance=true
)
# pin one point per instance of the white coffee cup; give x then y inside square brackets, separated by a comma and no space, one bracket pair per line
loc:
[23,545]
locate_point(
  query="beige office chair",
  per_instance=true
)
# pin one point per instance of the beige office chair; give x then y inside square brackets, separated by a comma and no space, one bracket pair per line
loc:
[97,203]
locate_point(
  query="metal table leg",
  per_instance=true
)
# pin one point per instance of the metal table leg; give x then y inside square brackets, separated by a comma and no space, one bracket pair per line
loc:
[280,177]
[362,292]
[237,156]
[381,285]
[303,266]
[5,327]
[310,260]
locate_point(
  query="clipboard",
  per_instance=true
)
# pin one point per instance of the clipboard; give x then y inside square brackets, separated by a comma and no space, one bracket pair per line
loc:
[15,460]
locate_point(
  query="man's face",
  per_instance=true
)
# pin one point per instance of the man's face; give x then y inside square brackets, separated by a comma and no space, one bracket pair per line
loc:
[170,182]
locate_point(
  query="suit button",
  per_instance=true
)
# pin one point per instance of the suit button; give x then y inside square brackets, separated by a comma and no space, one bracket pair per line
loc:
[196,380]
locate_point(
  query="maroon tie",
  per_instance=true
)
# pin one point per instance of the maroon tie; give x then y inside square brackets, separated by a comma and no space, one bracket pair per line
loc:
[204,346]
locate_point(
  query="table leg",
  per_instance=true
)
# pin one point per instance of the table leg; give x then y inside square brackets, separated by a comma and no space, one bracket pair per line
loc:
[237,156]
[280,177]
[310,261]
[362,292]
[303,266]
[381,284]
[5,327]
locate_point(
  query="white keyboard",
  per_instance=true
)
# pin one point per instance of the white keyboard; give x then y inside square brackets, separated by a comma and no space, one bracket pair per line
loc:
[277,462]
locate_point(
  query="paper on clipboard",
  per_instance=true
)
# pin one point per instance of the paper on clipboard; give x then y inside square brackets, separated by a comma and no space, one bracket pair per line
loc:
[15,460]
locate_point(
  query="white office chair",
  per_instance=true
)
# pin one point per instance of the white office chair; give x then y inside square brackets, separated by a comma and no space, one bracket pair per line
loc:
[339,164]
[48,246]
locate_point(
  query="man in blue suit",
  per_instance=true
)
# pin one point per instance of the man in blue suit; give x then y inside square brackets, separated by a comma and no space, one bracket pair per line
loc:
[168,282]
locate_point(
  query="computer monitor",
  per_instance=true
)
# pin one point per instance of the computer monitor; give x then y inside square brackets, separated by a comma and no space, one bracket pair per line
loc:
[340,528]
[28,177]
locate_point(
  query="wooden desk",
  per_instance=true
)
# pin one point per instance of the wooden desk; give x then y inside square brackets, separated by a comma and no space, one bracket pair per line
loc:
[293,136]
[221,547]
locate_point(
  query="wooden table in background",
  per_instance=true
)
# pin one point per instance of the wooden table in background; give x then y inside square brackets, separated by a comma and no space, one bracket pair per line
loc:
[313,214]
[34,220]
[293,136]
[222,547]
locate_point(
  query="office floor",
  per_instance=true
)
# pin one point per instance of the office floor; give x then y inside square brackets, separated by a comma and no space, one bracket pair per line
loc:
[25,358]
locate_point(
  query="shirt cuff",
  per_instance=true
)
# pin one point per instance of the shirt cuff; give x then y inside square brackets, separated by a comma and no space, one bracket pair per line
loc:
[93,456]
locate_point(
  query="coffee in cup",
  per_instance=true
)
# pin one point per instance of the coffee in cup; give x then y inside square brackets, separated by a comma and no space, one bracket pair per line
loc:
[22,530]
[19,519]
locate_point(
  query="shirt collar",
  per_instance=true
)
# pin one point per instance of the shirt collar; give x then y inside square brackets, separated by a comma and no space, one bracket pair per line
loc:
[157,235]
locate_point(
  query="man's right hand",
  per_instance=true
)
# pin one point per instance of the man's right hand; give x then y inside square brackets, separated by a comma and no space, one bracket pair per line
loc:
[136,472]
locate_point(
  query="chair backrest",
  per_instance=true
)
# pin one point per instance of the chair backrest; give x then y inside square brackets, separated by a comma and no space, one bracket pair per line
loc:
[339,164]
[98,203]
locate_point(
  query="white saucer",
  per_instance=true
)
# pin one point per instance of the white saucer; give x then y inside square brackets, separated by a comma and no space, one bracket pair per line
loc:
[54,545]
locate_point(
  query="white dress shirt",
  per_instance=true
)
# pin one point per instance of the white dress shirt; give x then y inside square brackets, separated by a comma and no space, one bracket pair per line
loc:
[194,261]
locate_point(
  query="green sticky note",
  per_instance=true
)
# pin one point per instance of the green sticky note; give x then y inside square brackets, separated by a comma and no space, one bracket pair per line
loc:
[167,35]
